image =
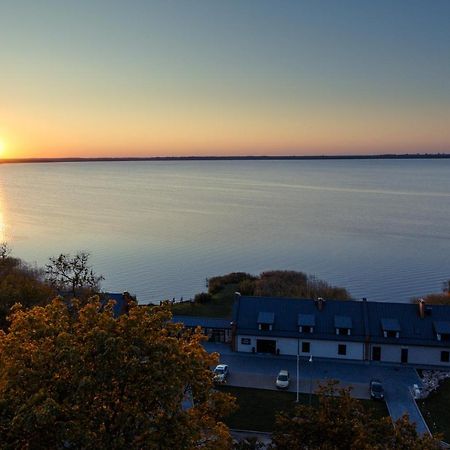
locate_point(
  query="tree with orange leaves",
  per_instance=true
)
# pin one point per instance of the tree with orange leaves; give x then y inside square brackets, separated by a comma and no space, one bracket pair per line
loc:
[341,422]
[74,376]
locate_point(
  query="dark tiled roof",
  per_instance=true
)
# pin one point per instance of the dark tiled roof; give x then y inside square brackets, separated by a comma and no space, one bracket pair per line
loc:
[120,305]
[287,312]
[366,319]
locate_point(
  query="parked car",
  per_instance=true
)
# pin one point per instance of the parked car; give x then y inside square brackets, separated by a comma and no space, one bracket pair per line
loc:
[282,381]
[221,373]
[376,390]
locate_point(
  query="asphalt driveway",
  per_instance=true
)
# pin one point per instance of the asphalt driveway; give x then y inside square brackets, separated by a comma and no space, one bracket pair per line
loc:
[260,371]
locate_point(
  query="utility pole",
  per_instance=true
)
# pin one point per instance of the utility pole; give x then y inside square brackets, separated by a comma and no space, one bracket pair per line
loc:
[298,369]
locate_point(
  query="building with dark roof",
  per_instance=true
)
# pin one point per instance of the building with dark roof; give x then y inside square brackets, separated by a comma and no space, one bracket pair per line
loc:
[216,329]
[357,330]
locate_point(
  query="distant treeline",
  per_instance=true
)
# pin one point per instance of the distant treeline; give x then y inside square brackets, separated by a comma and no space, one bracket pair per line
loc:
[229,158]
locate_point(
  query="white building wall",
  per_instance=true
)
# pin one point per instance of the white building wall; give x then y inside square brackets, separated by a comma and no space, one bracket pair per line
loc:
[355,350]
[318,348]
[416,354]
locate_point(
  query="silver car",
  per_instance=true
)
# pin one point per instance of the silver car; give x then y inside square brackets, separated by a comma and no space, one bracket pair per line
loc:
[221,373]
[282,381]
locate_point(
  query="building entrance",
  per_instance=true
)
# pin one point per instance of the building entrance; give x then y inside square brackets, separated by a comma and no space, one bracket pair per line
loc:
[266,346]
[376,353]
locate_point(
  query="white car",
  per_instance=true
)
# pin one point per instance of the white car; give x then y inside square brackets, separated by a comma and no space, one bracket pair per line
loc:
[282,381]
[221,373]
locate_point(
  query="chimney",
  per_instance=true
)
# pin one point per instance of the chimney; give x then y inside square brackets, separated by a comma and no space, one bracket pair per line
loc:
[320,303]
[421,304]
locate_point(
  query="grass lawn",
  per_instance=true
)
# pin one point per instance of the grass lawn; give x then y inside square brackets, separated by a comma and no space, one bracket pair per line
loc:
[436,410]
[257,407]
[221,305]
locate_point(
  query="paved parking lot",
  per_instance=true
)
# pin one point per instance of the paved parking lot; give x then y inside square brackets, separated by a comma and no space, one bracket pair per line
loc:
[260,371]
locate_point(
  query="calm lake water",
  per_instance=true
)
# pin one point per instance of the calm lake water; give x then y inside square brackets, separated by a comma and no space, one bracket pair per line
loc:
[158,229]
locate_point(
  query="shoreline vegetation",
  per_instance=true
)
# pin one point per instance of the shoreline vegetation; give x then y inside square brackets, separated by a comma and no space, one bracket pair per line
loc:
[219,300]
[78,343]
[228,158]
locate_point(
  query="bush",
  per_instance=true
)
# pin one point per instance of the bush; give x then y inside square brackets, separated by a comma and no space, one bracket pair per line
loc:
[202,298]
[289,283]
[216,284]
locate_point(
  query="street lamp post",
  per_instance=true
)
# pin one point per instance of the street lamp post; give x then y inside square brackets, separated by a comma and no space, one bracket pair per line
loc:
[310,379]
[298,368]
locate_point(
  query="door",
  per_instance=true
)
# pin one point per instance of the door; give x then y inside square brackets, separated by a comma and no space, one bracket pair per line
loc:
[404,357]
[376,353]
[266,346]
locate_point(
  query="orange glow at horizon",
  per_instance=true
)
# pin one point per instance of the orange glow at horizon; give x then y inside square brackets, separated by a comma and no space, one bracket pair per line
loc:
[209,133]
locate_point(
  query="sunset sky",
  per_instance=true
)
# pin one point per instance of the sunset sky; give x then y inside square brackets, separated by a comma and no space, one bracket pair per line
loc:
[251,77]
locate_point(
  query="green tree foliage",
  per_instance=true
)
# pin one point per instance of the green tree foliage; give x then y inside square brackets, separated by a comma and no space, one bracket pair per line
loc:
[75,377]
[202,297]
[341,422]
[216,284]
[20,283]
[73,274]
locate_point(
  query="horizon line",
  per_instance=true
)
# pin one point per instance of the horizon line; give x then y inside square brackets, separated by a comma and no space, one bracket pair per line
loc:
[224,158]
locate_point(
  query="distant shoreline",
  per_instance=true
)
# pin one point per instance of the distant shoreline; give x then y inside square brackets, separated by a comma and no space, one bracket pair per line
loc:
[227,158]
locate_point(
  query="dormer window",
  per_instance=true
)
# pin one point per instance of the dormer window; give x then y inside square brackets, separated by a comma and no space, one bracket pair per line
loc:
[266,321]
[343,325]
[391,328]
[442,330]
[306,323]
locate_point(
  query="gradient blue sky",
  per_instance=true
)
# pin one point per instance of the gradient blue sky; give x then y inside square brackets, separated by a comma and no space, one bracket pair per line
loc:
[136,78]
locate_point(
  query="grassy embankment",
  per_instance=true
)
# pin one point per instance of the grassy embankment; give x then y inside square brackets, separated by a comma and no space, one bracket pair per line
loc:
[221,305]
[257,407]
[435,410]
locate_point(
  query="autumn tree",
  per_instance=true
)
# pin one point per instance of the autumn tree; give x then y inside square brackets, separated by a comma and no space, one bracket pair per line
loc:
[20,282]
[74,376]
[442,298]
[73,274]
[5,250]
[289,283]
[341,422]
[278,283]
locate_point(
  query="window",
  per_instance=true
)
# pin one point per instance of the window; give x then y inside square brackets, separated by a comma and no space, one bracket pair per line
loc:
[392,334]
[343,331]
[445,356]
[376,353]
[246,341]
[342,349]
[306,329]
[306,347]
[265,327]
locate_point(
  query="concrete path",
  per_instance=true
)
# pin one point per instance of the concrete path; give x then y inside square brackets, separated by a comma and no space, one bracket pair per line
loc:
[260,371]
